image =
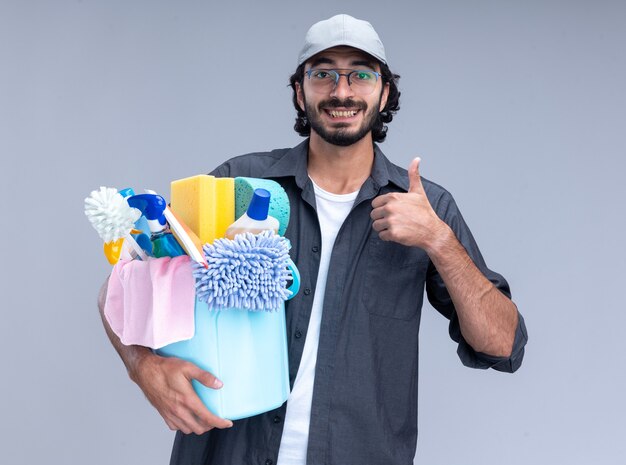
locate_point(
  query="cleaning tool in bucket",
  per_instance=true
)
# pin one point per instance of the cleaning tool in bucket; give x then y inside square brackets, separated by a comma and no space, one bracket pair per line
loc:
[255,219]
[151,303]
[152,206]
[184,235]
[279,202]
[241,335]
[249,272]
[114,220]
[204,203]
[142,233]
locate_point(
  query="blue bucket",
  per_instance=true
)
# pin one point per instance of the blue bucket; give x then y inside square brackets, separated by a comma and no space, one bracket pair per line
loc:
[246,350]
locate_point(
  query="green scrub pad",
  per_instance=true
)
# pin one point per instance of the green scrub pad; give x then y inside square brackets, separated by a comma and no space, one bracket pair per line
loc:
[279,202]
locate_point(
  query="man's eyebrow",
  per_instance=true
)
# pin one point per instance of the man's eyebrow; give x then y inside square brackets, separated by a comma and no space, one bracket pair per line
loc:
[321,61]
[358,62]
[366,63]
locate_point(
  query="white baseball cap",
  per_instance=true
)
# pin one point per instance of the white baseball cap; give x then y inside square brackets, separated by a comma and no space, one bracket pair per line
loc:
[342,30]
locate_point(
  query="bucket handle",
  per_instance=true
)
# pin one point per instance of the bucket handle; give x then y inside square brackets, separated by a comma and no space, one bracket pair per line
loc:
[295,285]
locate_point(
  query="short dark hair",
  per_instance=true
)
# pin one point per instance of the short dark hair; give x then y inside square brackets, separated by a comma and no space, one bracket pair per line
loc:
[379,131]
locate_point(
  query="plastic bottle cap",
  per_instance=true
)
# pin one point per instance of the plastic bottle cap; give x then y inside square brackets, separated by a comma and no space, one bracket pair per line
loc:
[259,205]
[152,206]
[127,192]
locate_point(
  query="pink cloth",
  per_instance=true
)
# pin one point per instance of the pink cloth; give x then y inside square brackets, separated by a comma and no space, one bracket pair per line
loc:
[151,303]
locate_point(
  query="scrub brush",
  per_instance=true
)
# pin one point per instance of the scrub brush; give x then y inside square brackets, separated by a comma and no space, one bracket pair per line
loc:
[249,271]
[113,219]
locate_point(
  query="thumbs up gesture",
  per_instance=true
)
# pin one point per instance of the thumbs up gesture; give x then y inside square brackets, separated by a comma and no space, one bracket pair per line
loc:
[407,218]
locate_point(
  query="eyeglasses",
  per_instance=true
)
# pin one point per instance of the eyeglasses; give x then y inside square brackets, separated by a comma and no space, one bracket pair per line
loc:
[361,81]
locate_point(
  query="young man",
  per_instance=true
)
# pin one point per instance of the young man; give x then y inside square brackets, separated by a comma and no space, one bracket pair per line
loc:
[367,237]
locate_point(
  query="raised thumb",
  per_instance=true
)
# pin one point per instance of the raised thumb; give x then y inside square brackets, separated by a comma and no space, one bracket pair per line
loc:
[415,180]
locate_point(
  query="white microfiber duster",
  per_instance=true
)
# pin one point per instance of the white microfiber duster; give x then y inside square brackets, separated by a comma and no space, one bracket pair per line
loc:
[110,214]
[249,272]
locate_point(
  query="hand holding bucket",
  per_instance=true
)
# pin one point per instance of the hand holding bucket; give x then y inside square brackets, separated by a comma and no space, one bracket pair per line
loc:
[246,350]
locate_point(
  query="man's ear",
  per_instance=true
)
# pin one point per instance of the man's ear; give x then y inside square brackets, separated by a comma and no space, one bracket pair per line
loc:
[384,97]
[299,96]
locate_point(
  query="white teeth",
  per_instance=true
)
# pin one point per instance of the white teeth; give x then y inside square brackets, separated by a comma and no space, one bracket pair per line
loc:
[343,114]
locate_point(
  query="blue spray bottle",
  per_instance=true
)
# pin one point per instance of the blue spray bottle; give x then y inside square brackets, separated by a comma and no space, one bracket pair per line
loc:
[143,238]
[164,244]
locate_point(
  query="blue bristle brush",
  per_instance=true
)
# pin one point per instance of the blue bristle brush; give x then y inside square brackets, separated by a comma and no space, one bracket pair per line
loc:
[247,272]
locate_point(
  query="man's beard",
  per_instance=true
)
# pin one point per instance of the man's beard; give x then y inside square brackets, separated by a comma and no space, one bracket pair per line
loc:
[340,135]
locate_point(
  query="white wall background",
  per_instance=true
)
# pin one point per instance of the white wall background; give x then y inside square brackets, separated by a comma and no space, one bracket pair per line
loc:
[517,107]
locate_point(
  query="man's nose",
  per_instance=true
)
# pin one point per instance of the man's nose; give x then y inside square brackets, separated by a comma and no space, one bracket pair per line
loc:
[342,88]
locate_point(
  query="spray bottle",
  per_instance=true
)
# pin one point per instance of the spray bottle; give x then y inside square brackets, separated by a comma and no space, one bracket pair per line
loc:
[256,219]
[163,242]
[142,230]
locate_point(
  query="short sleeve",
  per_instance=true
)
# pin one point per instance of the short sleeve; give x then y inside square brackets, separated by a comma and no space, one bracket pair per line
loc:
[440,299]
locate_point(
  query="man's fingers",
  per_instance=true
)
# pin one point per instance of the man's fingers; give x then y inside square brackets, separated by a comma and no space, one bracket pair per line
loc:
[380,225]
[380,200]
[415,180]
[167,384]
[202,415]
[201,421]
[195,417]
[207,418]
[377,213]
[192,416]
[204,377]
[170,424]
[386,204]
[208,380]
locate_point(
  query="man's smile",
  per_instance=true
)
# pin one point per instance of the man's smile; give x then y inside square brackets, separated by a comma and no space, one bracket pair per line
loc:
[343,114]
[341,122]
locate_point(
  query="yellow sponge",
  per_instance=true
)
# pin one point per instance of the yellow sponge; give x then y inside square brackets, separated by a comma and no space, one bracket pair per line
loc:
[206,204]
